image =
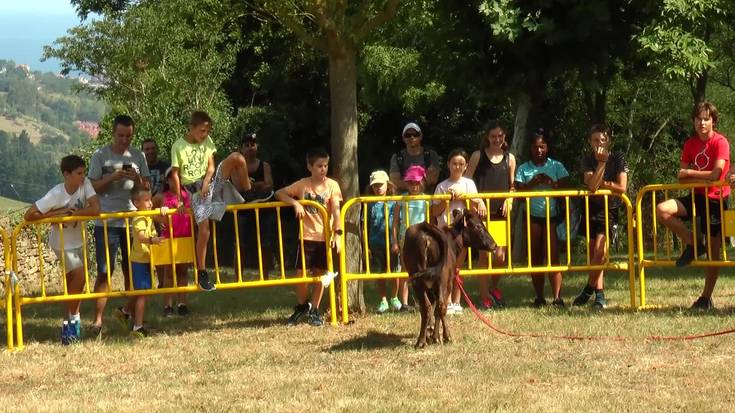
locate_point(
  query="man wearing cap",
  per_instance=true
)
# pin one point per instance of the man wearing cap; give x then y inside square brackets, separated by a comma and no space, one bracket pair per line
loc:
[414,154]
[261,190]
[157,167]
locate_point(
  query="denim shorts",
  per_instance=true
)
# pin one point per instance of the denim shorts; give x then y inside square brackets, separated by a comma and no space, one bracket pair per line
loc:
[141,275]
[117,238]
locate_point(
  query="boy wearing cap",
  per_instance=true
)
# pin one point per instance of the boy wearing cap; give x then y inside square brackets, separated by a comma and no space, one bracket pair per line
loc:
[414,154]
[380,216]
[319,188]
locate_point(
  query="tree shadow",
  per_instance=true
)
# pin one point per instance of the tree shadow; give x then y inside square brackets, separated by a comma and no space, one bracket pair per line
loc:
[370,341]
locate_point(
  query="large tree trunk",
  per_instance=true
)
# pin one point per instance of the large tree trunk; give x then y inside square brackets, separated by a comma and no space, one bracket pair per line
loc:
[343,102]
[521,132]
[699,87]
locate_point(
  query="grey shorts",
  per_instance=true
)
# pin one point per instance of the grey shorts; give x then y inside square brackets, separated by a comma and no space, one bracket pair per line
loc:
[73,259]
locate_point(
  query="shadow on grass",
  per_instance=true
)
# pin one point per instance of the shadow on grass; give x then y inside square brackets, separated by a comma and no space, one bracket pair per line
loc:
[370,341]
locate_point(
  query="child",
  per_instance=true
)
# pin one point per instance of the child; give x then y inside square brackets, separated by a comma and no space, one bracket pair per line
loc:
[493,169]
[377,227]
[456,185]
[407,214]
[75,197]
[192,160]
[319,188]
[181,225]
[538,174]
[144,235]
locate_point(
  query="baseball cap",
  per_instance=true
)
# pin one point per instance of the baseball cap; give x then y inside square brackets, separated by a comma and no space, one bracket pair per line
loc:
[411,125]
[415,173]
[247,137]
[378,177]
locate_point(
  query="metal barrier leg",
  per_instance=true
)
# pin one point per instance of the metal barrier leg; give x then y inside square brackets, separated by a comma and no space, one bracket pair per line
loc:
[18,319]
[9,310]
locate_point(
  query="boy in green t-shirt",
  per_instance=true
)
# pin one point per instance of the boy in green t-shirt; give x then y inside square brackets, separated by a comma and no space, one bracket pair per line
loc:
[192,163]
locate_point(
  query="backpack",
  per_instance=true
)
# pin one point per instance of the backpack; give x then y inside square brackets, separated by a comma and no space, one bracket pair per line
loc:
[401,159]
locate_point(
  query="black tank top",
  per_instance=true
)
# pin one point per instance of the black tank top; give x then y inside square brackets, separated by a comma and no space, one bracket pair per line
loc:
[259,174]
[491,177]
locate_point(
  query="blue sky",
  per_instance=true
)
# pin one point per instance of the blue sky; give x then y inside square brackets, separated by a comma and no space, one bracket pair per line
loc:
[27,25]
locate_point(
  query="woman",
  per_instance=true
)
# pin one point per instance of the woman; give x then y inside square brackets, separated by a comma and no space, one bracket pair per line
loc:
[539,174]
[493,168]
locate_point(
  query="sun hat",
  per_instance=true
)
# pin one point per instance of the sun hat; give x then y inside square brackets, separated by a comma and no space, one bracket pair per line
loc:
[415,173]
[378,177]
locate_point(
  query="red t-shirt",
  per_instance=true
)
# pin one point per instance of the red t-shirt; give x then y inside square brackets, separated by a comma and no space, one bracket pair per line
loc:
[702,155]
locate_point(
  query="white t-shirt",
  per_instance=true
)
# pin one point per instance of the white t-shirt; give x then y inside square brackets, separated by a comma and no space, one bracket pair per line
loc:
[464,184]
[57,198]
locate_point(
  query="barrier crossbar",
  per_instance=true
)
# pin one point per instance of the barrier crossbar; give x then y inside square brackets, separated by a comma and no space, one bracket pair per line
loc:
[42,289]
[6,299]
[501,230]
[655,245]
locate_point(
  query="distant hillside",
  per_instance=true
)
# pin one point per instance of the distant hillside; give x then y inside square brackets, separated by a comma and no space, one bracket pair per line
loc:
[7,204]
[46,105]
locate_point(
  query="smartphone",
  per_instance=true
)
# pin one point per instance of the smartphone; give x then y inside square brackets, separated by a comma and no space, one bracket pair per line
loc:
[127,167]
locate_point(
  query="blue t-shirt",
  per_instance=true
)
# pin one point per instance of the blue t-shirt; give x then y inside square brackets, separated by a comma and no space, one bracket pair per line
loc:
[377,222]
[412,212]
[555,170]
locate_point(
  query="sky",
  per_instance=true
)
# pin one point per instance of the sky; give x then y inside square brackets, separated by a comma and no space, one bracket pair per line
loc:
[27,25]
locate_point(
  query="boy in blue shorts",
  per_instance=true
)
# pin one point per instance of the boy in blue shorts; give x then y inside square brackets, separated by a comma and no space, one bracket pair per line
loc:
[144,235]
[74,197]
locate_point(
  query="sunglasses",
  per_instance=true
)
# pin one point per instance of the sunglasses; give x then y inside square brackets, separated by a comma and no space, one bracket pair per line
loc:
[412,135]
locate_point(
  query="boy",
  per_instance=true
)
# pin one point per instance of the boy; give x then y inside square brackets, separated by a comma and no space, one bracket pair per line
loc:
[325,191]
[192,163]
[144,235]
[705,158]
[75,197]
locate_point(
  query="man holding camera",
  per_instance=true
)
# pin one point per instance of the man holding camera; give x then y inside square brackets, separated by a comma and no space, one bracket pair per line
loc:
[114,170]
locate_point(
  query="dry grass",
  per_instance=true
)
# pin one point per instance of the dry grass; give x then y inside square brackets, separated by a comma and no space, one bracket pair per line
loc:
[235,353]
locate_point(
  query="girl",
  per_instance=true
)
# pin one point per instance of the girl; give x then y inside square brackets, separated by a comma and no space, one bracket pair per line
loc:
[378,224]
[181,224]
[539,174]
[407,214]
[493,168]
[456,185]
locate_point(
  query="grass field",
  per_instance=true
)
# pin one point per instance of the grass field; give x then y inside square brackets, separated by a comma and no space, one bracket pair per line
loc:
[235,353]
[7,204]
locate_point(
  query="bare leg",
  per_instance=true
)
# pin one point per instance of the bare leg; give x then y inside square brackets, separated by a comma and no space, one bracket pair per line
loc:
[235,166]
[668,212]
[712,272]
[74,285]
[201,244]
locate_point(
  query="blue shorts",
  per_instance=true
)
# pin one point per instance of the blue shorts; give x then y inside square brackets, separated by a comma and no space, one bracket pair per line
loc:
[141,275]
[116,238]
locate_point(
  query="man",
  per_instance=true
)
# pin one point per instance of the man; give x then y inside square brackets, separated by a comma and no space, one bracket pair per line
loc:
[705,158]
[114,170]
[414,154]
[261,181]
[156,167]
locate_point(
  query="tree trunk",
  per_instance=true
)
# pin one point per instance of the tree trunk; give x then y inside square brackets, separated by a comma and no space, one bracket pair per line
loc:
[699,87]
[519,148]
[343,103]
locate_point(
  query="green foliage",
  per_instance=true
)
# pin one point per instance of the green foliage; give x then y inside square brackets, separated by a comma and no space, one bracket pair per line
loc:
[159,61]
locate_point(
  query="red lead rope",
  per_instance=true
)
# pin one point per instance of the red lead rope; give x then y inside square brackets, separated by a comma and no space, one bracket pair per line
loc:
[488,323]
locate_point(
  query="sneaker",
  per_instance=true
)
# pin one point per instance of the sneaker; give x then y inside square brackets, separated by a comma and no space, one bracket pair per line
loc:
[600,303]
[182,309]
[583,297]
[168,311]
[405,308]
[315,319]
[299,311]
[122,317]
[539,302]
[140,333]
[95,332]
[395,304]
[383,306]
[703,304]
[65,333]
[687,256]
[75,331]
[559,303]
[458,308]
[204,283]
[497,298]
[486,303]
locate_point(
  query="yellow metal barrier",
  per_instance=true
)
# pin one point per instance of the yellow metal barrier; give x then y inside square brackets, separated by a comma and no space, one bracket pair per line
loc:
[502,233]
[6,300]
[181,250]
[662,250]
